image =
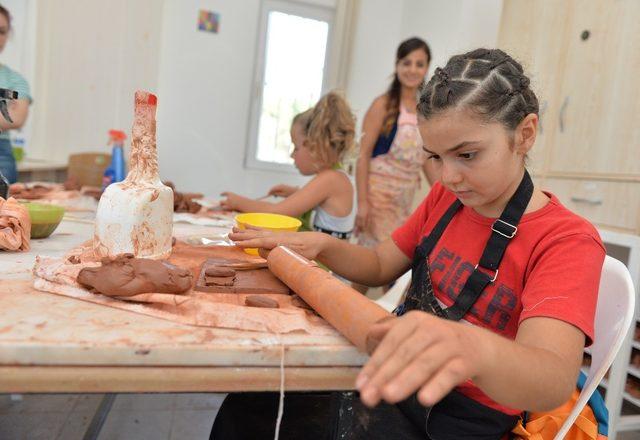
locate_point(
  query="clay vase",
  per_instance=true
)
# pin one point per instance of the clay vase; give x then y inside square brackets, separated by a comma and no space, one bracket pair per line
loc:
[136,215]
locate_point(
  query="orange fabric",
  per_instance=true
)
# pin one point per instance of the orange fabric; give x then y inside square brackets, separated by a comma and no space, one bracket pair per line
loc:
[545,426]
[15,226]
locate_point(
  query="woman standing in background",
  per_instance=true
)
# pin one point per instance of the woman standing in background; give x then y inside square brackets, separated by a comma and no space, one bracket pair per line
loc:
[391,156]
[18,109]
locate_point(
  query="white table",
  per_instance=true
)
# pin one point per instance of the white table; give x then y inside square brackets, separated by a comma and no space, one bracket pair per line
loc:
[51,343]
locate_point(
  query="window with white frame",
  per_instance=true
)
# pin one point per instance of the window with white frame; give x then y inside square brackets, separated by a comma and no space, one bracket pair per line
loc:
[290,76]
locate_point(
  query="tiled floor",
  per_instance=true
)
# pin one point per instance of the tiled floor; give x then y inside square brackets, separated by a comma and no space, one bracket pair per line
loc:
[132,416]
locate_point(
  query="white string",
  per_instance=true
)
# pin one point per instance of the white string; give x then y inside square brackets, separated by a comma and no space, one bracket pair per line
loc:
[281,402]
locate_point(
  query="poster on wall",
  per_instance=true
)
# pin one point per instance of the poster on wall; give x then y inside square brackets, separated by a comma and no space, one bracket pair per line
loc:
[208,21]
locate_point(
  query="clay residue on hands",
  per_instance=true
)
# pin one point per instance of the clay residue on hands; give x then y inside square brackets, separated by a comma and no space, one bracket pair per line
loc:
[15,226]
[375,337]
[128,276]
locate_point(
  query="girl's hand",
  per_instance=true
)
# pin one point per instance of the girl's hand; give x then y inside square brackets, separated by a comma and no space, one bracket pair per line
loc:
[362,217]
[232,201]
[419,352]
[307,244]
[282,190]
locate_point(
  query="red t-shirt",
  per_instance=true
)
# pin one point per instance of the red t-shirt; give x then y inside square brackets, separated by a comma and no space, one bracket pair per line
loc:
[551,268]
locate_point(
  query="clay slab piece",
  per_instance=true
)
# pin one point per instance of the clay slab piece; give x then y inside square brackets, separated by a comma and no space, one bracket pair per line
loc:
[246,281]
[261,301]
[215,271]
[218,281]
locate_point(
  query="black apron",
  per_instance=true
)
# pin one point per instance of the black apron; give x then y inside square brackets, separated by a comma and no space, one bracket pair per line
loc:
[456,416]
[342,416]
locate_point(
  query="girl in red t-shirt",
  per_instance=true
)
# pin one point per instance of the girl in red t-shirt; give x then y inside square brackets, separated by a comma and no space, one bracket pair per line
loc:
[522,343]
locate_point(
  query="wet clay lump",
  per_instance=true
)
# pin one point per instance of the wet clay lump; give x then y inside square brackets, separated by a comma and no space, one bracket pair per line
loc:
[128,276]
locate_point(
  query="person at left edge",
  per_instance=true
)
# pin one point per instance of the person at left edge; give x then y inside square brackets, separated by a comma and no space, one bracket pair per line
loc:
[18,109]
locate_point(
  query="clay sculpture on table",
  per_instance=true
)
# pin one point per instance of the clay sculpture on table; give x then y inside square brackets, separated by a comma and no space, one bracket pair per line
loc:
[193,307]
[126,275]
[219,275]
[135,216]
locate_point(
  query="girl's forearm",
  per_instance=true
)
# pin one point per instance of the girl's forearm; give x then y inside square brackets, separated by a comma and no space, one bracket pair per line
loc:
[249,205]
[520,376]
[356,263]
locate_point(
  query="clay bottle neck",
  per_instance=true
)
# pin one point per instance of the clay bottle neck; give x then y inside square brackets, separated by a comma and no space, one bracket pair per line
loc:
[144,153]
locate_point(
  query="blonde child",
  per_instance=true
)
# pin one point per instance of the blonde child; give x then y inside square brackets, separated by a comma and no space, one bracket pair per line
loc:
[321,137]
[486,248]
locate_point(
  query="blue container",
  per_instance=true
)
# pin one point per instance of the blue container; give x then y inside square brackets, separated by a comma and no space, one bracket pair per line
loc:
[4,186]
[117,163]
[116,171]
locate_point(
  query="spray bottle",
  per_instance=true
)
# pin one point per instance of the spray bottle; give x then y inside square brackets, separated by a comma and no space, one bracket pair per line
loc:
[5,95]
[4,186]
[116,171]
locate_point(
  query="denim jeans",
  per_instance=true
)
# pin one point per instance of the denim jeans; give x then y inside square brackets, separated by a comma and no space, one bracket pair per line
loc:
[7,162]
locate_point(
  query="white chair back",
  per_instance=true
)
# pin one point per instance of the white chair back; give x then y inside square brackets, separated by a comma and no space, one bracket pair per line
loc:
[390,300]
[614,314]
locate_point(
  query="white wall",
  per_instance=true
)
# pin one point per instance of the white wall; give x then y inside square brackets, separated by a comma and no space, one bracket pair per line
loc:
[448,26]
[91,57]
[378,32]
[453,26]
[89,64]
[204,99]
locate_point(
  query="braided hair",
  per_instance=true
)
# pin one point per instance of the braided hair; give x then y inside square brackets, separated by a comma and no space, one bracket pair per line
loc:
[487,81]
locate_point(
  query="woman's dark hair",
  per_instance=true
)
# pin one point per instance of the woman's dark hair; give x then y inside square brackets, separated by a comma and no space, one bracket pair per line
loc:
[4,11]
[487,81]
[393,93]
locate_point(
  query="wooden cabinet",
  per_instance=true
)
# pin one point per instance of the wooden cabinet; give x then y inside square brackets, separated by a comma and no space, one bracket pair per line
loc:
[615,205]
[584,60]
[583,57]
[526,34]
[597,128]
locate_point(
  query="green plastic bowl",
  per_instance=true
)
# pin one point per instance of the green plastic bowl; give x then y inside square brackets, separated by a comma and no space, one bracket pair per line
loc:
[45,218]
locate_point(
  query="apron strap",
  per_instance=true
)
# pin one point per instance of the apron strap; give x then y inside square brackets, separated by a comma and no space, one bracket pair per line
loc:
[421,295]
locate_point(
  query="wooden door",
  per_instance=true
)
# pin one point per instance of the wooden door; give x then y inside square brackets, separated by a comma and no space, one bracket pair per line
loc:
[597,130]
[533,32]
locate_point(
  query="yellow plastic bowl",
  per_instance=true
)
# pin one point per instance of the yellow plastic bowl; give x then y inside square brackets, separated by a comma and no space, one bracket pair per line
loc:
[271,222]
